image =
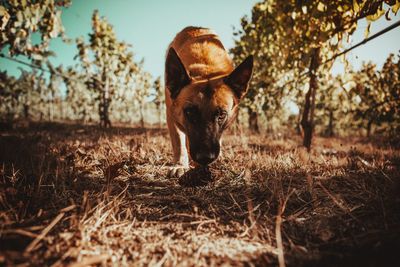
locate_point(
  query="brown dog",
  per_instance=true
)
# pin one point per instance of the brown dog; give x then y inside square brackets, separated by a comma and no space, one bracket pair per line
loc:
[202,91]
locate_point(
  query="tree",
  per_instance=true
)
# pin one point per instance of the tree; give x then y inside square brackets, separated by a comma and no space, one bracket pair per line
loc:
[142,92]
[159,99]
[8,96]
[255,38]
[21,98]
[78,98]
[25,83]
[54,92]
[333,105]
[291,38]
[20,20]
[106,62]
[376,95]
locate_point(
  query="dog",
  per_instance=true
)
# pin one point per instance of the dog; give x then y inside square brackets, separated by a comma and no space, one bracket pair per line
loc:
[202,94]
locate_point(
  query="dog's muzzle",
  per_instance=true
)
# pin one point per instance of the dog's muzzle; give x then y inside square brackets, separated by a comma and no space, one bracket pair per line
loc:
[205,158]
[205,154]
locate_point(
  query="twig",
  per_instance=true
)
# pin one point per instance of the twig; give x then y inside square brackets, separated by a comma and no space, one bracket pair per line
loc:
[337,203]
[248,229]
[69,208]
[45,231]
[90,261]
[59,262]
[20,232]
[185,215]
[162,261]
[278,234]
[235,202]
[201,222]
[278,230]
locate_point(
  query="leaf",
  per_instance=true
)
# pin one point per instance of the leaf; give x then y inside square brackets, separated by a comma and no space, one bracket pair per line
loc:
[356,7]
[396,7]
[367,30]
[321,7]
[3,11]
[5,17]
[37,57]
[379,13]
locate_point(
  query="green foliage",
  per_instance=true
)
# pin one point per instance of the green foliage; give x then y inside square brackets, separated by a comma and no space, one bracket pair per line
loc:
[107,84]
[333,106]
[376,95]
[284,36]
[8,96]
[79,100]
[28,97]
[109,67]
[159,99]
[21,20]
[358,101]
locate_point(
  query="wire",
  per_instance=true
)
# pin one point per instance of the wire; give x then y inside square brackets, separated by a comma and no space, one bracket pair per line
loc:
[37,67]
[366,40]
[23,63]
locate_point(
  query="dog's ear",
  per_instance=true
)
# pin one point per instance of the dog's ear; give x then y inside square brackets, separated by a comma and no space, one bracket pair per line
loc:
[176,76]
[239,79]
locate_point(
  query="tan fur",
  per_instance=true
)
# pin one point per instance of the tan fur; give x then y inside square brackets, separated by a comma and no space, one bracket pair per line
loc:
[202,53]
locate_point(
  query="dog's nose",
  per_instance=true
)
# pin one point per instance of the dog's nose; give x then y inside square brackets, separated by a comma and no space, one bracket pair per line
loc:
[205,158]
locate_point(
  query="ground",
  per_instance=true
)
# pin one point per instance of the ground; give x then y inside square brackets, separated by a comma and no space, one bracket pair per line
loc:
[81,195]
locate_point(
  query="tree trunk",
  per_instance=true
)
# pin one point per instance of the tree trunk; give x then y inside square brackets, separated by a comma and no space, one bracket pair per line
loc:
[329,131]
[307,120]
[107,122]
[26,111]
[141,116]
[83,117]
[253,121]
[104,105]
[369,127]
[298,122]
[159,116]
[62,112]
[50,110]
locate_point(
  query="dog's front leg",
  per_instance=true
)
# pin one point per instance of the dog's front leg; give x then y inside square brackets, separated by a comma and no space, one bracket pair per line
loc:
[178,140]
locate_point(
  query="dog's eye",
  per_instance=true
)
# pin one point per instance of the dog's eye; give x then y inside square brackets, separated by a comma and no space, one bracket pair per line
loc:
[191,113]
[222,116]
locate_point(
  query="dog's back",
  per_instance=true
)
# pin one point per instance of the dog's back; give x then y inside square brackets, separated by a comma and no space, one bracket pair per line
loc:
[202,53]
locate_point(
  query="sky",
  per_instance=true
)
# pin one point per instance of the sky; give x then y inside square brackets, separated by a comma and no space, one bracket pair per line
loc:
[150,25]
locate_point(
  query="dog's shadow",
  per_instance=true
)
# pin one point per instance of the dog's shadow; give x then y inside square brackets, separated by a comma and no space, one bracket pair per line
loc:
[199,176]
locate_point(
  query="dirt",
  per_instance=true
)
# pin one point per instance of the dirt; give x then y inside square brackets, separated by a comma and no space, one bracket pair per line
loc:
[79,194]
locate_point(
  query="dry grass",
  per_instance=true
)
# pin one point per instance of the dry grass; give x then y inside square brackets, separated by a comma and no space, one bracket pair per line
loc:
[79,195]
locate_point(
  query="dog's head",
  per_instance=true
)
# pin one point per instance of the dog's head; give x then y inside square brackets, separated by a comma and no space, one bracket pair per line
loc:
[204,109]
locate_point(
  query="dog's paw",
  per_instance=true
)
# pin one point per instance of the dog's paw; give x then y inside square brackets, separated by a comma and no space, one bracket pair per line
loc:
[177,171]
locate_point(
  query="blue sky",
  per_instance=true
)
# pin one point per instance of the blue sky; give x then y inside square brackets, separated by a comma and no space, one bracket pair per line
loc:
[150,25]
